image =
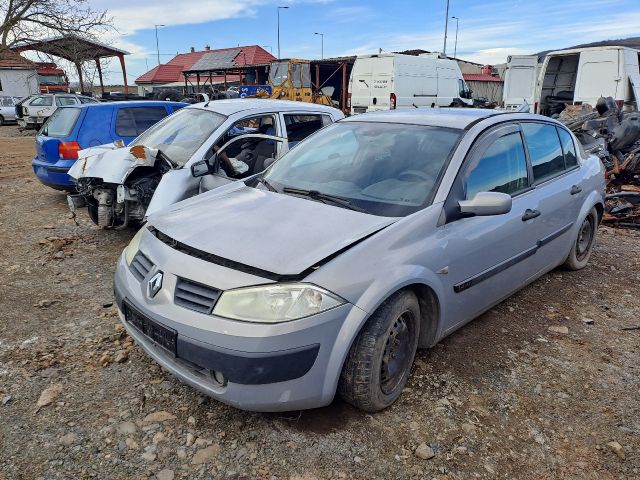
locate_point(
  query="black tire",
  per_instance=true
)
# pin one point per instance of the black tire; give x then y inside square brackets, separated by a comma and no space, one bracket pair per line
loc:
[379,362]
[582,246]
[169,95]
[189,100]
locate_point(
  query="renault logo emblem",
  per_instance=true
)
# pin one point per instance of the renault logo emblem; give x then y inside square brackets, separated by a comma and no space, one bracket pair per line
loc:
[154,285]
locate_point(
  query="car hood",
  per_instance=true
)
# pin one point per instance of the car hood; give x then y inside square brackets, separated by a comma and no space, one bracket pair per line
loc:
[277,233]
[111,164]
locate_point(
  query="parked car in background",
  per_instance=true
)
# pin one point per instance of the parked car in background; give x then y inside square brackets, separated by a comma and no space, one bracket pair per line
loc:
[520,78]
[33,111]
[8,109]
[583,75]
[380,234]
[71,129]
[227,139]
[391,80]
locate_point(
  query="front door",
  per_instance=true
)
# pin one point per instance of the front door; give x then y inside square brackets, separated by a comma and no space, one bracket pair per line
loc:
[487,257]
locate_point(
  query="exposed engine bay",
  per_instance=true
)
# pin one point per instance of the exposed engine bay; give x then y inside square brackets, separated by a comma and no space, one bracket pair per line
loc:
[122,204]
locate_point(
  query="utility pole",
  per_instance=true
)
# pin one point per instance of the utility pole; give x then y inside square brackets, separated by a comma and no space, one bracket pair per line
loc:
[446,24]
[157,45]
[279,29]
[321,44]
[455,48]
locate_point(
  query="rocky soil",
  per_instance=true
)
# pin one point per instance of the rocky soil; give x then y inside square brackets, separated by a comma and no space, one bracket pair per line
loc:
[545,385]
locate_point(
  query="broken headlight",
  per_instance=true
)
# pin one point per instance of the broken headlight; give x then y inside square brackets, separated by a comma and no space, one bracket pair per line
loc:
[280,302]
[133,247]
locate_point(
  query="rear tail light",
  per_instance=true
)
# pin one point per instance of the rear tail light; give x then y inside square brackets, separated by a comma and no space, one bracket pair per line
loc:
[392,101]
[620,104]
[68,150]
[349,100]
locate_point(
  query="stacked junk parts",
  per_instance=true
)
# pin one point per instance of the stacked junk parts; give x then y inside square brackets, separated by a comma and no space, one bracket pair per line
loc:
[614,136]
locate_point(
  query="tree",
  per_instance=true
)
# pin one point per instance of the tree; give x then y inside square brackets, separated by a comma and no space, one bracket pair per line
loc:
[29,20]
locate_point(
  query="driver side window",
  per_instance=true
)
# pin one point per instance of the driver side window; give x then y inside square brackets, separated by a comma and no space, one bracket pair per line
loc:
[501,168]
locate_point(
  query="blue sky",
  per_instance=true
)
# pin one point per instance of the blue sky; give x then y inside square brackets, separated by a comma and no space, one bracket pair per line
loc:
[489,30]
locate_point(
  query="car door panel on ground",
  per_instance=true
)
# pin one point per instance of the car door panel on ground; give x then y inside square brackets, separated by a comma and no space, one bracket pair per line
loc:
[486,255]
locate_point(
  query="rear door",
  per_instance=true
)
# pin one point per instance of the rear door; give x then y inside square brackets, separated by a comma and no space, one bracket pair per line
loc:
[370,84]
[488,257]
[598,75]
[557,181]
[519,80]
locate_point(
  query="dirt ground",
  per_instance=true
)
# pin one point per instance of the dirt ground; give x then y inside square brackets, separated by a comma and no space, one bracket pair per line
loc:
[537,388]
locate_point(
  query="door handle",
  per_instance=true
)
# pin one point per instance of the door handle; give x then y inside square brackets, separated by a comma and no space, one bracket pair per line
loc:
[575,190]
[529,214]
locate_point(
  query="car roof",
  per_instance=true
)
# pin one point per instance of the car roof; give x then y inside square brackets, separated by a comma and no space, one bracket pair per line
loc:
[126,103]
[459,118]
[235,105]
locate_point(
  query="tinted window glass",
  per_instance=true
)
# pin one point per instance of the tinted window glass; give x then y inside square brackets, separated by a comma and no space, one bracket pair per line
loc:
[145,117]
[300,127]
[296,75]
[42,102]
[62,101]
[569,149]
[125,125]
[87,100]
[61,123]
[502,168]
[544,150]
[386,169]
[131,122]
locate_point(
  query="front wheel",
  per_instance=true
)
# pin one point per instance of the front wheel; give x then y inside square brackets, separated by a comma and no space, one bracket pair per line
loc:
[582,246]
[379,362]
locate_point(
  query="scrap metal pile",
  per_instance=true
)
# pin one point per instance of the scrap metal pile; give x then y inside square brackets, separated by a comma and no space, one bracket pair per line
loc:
[614,136]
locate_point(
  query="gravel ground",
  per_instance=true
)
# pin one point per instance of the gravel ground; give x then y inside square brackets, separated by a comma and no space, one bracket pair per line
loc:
[545,385]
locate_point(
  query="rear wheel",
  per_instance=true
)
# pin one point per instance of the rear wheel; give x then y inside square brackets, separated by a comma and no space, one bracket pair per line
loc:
[379,362]
[583,244]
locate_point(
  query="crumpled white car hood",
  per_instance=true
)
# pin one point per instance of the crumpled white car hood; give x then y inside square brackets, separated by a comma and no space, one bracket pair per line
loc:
[111,164]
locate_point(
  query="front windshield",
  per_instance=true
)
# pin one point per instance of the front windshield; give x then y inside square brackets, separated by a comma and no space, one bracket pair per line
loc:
[179,135]
[383,168]
[278,73]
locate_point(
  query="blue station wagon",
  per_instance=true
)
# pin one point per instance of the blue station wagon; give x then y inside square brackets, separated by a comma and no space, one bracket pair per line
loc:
[71,129]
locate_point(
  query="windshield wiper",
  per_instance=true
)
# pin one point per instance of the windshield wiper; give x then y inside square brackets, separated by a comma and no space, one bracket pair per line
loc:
[316,195]
[267,184]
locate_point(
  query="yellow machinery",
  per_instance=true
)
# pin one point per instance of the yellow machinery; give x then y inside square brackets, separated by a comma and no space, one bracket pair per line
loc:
[291,80]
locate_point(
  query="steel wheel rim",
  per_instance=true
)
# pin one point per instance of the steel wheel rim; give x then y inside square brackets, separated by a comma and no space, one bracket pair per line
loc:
[397,353]
[585,238]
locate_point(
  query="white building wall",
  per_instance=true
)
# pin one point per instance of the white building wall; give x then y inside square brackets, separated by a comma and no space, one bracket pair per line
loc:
[18,82]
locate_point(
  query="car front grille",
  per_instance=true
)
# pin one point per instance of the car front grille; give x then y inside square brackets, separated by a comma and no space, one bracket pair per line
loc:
[140,266]
[195,296]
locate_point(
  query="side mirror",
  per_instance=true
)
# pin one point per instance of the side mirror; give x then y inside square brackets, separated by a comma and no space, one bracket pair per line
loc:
[486,204]
[200,169]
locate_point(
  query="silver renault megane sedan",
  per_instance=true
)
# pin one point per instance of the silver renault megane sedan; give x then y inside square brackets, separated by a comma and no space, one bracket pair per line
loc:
[378,235]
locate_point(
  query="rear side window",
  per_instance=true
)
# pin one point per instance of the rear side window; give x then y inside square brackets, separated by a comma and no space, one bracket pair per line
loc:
[545,151]
[300,126]
[41,102]
[63,101]
[61,123]
[568,148]
[7,102]
[502,168]
[131,122]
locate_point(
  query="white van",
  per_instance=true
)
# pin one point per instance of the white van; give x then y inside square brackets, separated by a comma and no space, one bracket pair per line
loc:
[390,80]
[520,79]
[583,75]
